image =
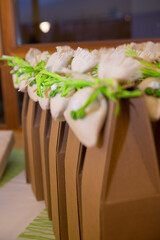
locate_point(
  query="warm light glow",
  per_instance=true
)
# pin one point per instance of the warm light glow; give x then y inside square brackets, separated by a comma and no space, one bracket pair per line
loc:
[45,27]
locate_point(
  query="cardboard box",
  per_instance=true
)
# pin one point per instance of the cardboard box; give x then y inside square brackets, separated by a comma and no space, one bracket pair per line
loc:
[57,148]
[45,129]
[6,144]
[81,158]
[120,180]
[33,139]
[74,159]
[111,191]
[155,129]
[24,129]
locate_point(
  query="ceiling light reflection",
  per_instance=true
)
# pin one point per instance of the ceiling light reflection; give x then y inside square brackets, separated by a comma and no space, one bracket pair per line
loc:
[45,26]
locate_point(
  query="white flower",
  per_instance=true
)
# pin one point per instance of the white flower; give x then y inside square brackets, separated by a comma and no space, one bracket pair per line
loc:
[118,66]
[60,59]
[84,60]
[148,51]
[31,56]
[43,56]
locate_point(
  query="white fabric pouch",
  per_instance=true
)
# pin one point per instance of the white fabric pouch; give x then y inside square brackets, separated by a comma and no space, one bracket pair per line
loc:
[87,129]
[152,103]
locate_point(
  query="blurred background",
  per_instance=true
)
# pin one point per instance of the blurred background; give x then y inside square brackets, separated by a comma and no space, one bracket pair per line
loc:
[44,21]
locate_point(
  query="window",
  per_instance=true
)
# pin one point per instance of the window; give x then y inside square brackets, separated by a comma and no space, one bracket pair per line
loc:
[86,20]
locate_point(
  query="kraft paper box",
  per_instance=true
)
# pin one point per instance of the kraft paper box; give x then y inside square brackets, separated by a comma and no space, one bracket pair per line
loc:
[57,148]
[24,131]
[156,128]
[45,129]
[120,180]
[6,144]
[34,153]
[74,160]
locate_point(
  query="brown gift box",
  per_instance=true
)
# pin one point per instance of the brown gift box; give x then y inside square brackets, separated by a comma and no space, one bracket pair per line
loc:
[120,180]
[57,148]
[155,128]
[34,153]
[112,190]
[45,129]
[24,131]
[73,168]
